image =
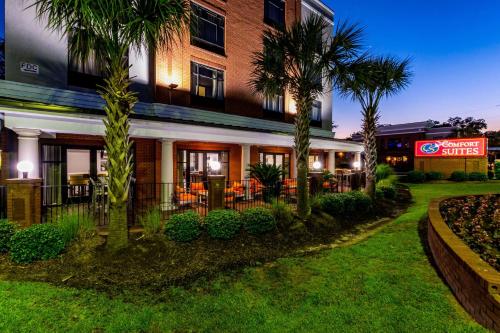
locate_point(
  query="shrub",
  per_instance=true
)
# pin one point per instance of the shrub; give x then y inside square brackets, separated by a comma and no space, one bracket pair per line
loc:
[387,192]
[392,180]
[383,171]
[415,176]
[283,215]
[497,170]
[333,204]
[258,220]
[345,205]
[478,176]
[361,204]
[223,224]
[183,227]
[151,222]
[433,175]
[458,176]
[73,225]
[38,242]
[7,230]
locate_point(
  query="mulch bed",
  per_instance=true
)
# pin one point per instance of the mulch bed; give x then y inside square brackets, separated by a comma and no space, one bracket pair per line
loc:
[155,264]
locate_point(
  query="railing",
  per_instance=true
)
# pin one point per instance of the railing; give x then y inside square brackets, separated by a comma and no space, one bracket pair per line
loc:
[3,202]
[92,201]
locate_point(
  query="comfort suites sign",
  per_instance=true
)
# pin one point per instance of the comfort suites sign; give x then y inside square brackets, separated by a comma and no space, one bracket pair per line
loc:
[474,147]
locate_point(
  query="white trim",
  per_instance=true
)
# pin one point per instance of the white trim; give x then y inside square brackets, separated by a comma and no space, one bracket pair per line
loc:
[93,125]
[315,11]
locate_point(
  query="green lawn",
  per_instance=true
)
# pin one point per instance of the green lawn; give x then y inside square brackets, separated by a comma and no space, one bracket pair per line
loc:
[383,284]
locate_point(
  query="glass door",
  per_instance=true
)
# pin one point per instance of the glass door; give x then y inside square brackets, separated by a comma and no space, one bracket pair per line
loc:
[281,160]
[196,166]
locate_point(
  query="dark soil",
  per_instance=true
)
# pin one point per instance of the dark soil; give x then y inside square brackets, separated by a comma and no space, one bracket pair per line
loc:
[154,264]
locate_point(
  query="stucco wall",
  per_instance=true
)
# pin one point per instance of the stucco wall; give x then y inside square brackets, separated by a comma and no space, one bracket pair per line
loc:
[447,165]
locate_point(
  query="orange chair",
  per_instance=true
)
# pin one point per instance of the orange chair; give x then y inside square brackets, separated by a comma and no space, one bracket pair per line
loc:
[255,187]
[184,199]
[238,189]
[197,187]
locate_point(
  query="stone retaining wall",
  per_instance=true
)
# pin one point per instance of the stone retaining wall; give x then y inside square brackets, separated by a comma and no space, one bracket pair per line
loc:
[475,284]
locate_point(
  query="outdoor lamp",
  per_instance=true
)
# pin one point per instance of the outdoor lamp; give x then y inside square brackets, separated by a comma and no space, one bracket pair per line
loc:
[215,165]
[25,167]
[317,165]
[356,164]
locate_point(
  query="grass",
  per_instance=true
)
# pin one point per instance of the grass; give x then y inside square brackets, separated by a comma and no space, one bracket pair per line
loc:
[384,284]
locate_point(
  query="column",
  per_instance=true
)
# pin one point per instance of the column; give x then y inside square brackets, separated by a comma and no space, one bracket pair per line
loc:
[28,149]
[331,161]
[357,160]
[245,161]
[167,173]
[293,164]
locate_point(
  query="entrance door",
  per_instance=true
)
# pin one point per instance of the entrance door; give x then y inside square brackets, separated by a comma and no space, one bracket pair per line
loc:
[276,159]
[196,166]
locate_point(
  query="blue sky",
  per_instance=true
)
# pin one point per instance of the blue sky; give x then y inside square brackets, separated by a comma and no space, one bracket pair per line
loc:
[455,48]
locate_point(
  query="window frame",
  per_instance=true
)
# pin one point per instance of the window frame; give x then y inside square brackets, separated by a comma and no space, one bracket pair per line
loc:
[215,102]
[270,21]
[316,122]
[201,42]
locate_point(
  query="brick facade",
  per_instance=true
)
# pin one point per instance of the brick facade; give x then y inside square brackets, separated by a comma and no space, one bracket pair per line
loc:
[447,165]
[244,25]
[474,283]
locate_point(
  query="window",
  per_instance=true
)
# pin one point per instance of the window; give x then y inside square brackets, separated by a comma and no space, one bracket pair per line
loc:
[276,159]
[315,158]
[274,12]
[207,82]
[316,113]
[196,166]
[273,106]
[208,29]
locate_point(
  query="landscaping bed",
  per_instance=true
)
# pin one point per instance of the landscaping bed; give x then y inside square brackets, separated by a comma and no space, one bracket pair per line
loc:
[476,220]
[154,263]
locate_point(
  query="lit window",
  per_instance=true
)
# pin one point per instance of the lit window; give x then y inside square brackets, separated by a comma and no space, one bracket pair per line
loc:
[273,104]
[208,29]
[207,82]
[316,112]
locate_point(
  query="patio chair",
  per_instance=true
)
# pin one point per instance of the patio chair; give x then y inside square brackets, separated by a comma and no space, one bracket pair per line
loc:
[182,198]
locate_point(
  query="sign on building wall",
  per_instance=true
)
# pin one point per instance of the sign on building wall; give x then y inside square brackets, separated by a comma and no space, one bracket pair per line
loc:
[26,67]
[474,147]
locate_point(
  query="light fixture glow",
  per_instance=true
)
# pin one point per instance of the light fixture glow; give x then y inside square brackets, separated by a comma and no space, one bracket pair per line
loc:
[215,165]
[25,167]
[356,164]
[317,165]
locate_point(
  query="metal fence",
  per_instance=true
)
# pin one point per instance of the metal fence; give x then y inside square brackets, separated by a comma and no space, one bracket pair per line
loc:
[3,202]
[165,199]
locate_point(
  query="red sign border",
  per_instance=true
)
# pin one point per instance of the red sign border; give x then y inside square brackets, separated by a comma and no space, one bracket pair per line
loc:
[485,143]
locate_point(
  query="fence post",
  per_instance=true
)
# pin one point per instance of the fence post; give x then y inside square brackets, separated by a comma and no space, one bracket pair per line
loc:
[24,201]
[216,187]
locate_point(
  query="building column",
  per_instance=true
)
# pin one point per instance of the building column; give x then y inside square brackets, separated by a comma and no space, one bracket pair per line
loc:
[357,160]
[167,173]
[331,161]
[28,149]
[293,164]
[245,161]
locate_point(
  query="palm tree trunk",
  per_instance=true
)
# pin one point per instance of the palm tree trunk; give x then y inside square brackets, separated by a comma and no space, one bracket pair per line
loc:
[370,145]
[119,103]
[302,143]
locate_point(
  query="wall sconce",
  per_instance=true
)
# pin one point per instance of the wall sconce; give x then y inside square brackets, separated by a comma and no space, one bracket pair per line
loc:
[25,167]
[317,165]
[292,108]
[356,165]
[171,87]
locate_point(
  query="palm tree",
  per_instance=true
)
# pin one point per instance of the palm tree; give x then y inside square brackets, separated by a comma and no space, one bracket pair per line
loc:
[299,59]
[105,30]
[368,80]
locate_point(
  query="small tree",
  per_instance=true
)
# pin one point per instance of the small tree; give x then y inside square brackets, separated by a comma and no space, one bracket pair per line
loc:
[368,81]
[105,30]
[468,127]
[299,59]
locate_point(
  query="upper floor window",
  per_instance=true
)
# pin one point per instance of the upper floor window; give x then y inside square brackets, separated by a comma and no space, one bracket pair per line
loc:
[273,104]
[274,12]
[207,29]
[316,113]
[207,82]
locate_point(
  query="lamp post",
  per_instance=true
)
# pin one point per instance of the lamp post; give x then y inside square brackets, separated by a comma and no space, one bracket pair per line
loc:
[25,167]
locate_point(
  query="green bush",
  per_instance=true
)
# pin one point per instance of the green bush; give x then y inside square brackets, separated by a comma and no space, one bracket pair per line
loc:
[38,242]
[283,215]
[151,222]
[415,176]
[7,230]
[497,170]
[183,227]
[383,171]
[223,224]
[258,220]
[433,175]
[478,176]
[459,176]
[346,205]
[392,180]
[73,225]
[387,192]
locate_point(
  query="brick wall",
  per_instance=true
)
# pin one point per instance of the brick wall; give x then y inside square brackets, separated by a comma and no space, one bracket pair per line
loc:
[448,165]
[244,26]
[474,283]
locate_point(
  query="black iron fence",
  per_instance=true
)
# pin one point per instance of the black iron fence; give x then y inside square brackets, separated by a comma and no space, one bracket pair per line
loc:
[165,199]
[3,202]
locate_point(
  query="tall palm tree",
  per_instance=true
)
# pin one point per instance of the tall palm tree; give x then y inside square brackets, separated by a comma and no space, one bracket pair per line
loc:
[299,59]
[368,80]
[105,30]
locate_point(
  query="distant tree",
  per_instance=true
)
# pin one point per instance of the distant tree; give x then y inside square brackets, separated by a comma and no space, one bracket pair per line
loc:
[493,138]
[468,127]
